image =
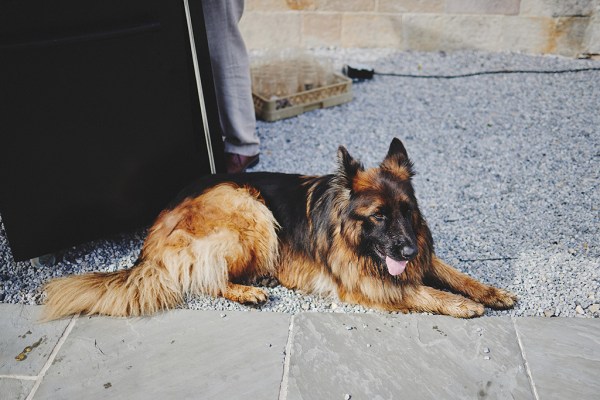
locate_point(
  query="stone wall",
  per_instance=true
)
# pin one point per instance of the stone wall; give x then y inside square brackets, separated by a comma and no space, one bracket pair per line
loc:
[565,27]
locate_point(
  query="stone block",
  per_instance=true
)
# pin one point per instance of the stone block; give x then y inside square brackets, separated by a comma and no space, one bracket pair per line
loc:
[321,29]
[371,30]
[569,35]
[411,6]
[564,359]
[504,7]
[263,30]
[428,32]
[478,32]
[275,5]
[181,354]
[301,5]
[25,343]
[557,8]
[422,32]
[346,5]
[15,389]
[526,34]
[591,42]
[404,357]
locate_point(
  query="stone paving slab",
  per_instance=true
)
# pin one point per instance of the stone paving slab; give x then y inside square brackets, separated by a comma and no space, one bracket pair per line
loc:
[407,356]
[190,354]
[563,356]
[20,329]
[15,389]
[180,354]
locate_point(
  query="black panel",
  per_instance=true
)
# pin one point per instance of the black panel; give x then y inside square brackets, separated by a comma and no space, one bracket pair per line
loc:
[100,119]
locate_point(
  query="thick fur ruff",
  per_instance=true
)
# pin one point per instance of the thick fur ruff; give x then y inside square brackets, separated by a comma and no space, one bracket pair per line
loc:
[357,234]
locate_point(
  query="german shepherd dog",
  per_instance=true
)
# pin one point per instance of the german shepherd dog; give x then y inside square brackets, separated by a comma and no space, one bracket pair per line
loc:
[356,234]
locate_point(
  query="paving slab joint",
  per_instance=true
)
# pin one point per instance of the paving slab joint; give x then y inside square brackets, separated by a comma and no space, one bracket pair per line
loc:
[19,377]
[527,369]
[283,387]
[50,360]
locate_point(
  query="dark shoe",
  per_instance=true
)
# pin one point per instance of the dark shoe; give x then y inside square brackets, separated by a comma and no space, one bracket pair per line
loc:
[236,163]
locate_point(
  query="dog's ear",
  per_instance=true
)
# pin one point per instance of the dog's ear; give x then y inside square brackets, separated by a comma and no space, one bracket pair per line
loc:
[396,149]
[397,158]
[347,166]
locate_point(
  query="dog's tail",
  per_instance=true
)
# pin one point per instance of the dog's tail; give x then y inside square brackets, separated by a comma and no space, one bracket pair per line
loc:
[142,290]
[225,234]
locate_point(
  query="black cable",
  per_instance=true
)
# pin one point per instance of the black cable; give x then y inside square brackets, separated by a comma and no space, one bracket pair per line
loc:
[497,72]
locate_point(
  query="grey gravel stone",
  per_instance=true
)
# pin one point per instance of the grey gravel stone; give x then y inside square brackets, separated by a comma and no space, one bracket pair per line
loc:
[585,303]
[508,176]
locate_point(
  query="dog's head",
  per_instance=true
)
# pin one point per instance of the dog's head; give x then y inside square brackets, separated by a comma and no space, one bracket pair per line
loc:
[383,214]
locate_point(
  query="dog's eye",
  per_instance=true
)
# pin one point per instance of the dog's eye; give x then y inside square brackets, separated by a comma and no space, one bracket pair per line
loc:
[378,216]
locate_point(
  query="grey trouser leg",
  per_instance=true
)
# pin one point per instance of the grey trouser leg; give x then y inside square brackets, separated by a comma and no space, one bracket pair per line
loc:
[231,71]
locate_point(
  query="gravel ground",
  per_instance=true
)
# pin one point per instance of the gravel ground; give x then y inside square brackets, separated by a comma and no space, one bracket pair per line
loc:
[508,176]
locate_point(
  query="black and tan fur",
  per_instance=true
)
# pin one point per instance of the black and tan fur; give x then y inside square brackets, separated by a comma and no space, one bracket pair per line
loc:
[333,235]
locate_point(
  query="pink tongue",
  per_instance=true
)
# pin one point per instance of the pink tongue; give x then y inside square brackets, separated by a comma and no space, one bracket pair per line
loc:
[395,267]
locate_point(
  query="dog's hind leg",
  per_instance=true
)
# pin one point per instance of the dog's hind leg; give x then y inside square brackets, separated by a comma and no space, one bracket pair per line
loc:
[450,278]
[240,245]
[199,247]
[244,294]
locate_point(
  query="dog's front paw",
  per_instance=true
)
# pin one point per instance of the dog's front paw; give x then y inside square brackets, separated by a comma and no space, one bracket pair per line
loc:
[255,296]
[466,309]
[245,294]
[499,299]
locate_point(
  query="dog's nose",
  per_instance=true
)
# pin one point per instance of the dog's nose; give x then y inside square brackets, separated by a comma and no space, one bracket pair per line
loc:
[408,252]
